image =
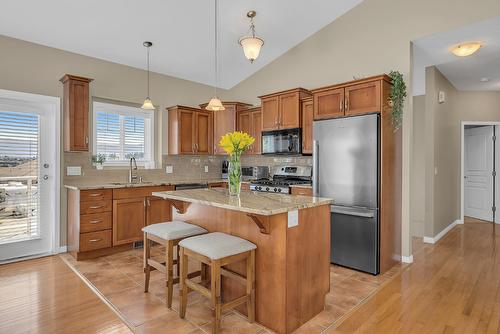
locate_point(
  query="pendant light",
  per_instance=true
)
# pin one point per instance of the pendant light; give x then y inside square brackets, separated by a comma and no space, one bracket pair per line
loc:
[251,44]
[215,104]
[148,104]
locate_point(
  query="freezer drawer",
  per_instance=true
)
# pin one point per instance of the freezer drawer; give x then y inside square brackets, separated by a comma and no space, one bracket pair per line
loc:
[354,238]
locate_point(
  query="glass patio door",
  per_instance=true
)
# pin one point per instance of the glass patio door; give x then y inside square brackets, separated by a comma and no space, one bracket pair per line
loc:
[27,175]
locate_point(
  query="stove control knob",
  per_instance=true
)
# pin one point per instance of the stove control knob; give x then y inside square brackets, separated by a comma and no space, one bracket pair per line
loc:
[267,188]
[259,188]
[275,189]
[279,190]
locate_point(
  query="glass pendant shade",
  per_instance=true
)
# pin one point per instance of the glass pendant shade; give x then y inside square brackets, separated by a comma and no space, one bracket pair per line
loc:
[251,47]
[466,49]
[148,104]
[215,105]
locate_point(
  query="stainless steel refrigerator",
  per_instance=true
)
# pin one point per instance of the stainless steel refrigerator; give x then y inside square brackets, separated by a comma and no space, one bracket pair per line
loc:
[346,167]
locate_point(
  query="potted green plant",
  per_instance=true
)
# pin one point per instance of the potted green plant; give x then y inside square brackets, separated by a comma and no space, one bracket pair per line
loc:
[98,160]
[397,99]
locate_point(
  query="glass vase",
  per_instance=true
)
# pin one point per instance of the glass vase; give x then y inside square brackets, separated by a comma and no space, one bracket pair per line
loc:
[234,176]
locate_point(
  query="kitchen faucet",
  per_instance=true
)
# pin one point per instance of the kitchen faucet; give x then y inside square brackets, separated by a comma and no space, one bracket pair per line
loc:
[132,174]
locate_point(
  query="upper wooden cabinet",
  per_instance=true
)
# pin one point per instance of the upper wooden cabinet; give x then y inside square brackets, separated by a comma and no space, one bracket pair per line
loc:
[282,110]
[351,98]
[250,121]
[224,122]
[307,125]
[76,113]
[190,130]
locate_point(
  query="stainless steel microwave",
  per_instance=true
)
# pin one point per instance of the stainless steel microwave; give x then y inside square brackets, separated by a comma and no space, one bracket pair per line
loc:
[251,173]
[282,142]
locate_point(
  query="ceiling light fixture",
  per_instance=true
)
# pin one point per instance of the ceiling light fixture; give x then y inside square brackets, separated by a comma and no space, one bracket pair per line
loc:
[215,104]
[148,104]
[251,44]
[465,49]
[485,79]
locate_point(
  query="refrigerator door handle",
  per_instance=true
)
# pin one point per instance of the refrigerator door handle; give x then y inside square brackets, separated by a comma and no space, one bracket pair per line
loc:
[315,168]
[358,212]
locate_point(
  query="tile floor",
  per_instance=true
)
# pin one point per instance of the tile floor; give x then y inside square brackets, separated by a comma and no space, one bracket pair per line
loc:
[119,279]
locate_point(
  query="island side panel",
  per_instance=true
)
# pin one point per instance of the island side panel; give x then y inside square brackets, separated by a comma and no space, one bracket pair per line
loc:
[270,273]
[308,265]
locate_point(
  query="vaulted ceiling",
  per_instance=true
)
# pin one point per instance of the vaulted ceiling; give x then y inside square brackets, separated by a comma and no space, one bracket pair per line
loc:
[182,31]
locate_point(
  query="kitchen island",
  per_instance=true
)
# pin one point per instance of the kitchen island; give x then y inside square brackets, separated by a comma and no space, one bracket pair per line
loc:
[292,234]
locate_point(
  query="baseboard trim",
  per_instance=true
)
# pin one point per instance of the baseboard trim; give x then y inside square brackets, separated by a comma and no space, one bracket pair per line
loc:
[433,240]
[63,249]
[407,259]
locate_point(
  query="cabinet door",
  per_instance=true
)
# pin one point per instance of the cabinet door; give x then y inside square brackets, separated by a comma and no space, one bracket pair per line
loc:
[79,115]
[270,113]
[329,104]
[245,125]
[129,217]
[256,131]
[157,210]
[224,122]
[362,98]
[186,132]
[307,123]
[289,106]
[203,133]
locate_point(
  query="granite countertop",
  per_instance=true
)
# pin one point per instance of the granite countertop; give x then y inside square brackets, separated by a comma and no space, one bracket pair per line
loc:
[259,203]
[116,185]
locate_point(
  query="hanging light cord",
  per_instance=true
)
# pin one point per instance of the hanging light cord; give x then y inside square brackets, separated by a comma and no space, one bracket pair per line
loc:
[252,27]
[216,65]
[148,71]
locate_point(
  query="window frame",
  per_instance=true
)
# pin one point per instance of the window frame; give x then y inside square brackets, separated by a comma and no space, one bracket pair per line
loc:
[125,109]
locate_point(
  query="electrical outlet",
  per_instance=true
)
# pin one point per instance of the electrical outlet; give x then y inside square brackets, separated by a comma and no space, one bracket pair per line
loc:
[169,169]
[74,170]
[206,169]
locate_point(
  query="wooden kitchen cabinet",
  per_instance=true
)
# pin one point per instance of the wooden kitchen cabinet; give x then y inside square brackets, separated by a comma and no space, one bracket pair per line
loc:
[363,98]
[128,220]
[282,110]
[328,103]
[303,191]
[190,130]
[76,113]
[224,122]
[157,210]
[307,125]
[250,121]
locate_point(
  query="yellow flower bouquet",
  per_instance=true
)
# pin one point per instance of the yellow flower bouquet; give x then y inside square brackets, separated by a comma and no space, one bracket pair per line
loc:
[235,143]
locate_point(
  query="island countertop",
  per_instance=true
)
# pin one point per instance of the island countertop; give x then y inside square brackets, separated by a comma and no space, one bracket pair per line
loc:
[259,203]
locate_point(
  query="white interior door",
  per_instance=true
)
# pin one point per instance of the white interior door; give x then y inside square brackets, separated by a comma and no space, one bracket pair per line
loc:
[29,202]
[478,172]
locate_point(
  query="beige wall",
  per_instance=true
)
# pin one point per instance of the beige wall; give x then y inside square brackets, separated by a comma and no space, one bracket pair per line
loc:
[417,195]
[372,38]
[442,146]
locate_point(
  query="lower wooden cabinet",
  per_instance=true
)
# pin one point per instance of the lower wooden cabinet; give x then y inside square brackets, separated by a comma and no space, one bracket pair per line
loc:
[157,210]
[95,240]
[301,191]
[129,217]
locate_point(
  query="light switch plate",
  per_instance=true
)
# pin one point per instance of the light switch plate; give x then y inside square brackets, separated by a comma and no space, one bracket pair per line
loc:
[169,169]
[293,218]
[206,169]
[74,170]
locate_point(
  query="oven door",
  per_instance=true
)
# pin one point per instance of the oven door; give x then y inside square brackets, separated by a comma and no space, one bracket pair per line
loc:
[281,142]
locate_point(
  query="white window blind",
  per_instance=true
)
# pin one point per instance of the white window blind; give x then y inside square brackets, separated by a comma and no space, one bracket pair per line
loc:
[19,200]
[122,132]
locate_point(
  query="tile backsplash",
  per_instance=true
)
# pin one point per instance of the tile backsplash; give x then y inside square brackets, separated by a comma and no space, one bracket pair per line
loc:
[184,168]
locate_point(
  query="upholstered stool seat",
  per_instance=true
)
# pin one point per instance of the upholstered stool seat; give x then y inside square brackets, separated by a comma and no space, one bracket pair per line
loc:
[168,234]
[218,250]
[217,245]
[173,230]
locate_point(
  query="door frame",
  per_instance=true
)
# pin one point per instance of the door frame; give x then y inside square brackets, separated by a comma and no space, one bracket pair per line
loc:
[462,173]
[55,105]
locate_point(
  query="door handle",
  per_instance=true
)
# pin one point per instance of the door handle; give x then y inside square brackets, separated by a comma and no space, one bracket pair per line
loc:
[45,177]
[315,168]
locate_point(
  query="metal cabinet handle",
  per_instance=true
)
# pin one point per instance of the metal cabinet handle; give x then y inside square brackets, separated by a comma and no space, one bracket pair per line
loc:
[346,104]
[97,207]
[341,107]
[95,221]
[95,240]
[95,194]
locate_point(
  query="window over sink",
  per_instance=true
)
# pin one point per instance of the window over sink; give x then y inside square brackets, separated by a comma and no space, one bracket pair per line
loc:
[122,132]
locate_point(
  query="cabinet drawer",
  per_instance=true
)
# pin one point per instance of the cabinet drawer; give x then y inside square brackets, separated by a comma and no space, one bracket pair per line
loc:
[301,191]
[95,195]
[124,193]
[95,206]
[95,240]
[95,222]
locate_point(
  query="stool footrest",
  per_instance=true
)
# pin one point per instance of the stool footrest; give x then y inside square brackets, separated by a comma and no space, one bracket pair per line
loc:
[235,302]
[233,275]
[199,288]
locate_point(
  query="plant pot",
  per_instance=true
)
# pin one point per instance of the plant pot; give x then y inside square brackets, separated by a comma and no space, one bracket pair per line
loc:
[98,166]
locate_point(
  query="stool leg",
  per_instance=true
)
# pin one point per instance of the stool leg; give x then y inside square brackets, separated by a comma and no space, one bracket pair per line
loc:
[216,295]
[178,262]
[251,286]
[204,273]
[182,281]
[169,263]
[146,267]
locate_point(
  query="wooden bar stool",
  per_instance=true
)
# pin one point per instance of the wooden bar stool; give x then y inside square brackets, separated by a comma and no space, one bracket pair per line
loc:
[218,250]
[168,234]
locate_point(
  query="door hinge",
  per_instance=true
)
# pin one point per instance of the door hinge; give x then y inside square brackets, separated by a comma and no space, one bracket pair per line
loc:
[494,173]
[494,208]
[494,138]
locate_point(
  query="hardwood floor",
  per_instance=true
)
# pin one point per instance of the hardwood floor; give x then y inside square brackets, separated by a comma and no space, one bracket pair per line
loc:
[453,286]
[46,296]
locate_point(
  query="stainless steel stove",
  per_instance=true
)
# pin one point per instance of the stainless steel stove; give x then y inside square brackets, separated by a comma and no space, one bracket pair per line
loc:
[283,178]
